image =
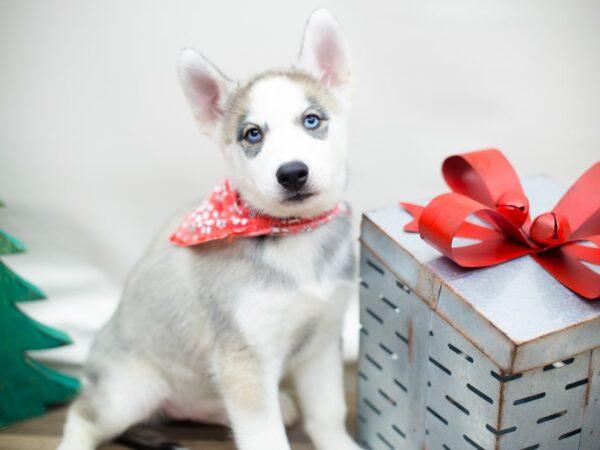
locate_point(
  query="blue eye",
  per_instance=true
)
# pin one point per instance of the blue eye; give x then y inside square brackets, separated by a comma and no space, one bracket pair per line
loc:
[253,135]
[311,121]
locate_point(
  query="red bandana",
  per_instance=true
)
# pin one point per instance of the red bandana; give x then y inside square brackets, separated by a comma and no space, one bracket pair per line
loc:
[225,215]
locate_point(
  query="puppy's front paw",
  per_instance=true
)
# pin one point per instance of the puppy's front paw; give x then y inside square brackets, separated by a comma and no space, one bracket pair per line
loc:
[72,445]
[353,446]
[350,445]
[338,442]
[289,412]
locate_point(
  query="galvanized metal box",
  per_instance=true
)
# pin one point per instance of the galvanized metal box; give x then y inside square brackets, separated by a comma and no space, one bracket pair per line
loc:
[498,358]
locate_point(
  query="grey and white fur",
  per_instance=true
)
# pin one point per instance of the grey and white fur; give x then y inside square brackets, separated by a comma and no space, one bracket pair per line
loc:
[206,333]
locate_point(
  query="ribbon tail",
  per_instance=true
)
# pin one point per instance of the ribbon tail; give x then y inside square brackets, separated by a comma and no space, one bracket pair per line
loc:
[415,211]
[571,272]
[583,253]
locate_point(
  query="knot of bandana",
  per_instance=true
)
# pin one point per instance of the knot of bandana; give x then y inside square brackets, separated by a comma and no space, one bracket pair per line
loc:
[225,215]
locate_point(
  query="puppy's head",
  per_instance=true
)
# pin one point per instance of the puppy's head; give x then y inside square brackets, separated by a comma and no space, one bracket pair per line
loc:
[283,133]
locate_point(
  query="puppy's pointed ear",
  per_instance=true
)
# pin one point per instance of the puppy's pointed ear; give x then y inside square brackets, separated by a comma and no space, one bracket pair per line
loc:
[205,87]
[325,53]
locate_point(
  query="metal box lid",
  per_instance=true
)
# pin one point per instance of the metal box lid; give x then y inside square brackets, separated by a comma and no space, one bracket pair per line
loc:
[516,313]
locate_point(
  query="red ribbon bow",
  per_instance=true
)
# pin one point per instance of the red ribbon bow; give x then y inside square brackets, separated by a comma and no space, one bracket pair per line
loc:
[485,185]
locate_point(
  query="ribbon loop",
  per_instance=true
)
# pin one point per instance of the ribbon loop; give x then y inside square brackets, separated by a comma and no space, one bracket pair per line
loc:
[581,203]
[483,175]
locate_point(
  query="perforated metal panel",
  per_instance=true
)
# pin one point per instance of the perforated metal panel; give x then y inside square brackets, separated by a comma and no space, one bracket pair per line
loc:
[590,436]
[392,374]
[425,384]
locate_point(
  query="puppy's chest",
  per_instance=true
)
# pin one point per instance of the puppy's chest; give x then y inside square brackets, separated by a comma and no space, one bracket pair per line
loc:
[314,259]
[311,265]
[281,315]
[281,321]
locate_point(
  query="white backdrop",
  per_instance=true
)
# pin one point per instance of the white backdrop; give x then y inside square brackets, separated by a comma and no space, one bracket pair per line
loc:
[97,145]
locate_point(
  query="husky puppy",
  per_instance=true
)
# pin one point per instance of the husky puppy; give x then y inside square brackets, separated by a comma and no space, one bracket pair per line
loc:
[206,332]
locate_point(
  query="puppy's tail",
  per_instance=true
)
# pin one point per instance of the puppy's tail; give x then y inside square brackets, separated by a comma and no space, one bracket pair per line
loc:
[141,438]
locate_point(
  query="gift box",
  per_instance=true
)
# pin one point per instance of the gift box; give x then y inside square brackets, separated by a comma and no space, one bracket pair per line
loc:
[500,357]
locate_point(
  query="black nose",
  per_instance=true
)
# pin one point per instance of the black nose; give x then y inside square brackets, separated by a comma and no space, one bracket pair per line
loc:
[292,175]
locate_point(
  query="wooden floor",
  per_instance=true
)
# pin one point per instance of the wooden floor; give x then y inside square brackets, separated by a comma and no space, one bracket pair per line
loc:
[44,433]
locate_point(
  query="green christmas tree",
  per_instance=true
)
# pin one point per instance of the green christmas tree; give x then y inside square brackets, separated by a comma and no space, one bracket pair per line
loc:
[26,386]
